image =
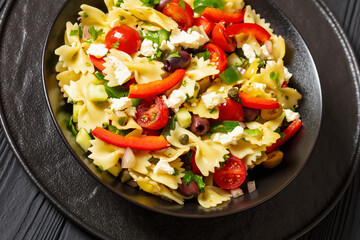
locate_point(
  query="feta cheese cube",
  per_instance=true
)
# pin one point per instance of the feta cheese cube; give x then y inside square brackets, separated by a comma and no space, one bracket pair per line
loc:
[163,166]
[167,46]
[122,73]
[290,115]
[131,111]
[148,48]
[212,100]
[119,104]
[230,138]
[259,86]
[176,98]
[194,38]
[97,50]
[288,75]
[249,52]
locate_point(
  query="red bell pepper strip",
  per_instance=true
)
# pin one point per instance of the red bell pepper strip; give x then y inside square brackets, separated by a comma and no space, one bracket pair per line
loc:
[257,103]
[289,133]
[151,89]
[146,143]
[216,15]
[249,28]
[284,85]
[206,23]
[98,62]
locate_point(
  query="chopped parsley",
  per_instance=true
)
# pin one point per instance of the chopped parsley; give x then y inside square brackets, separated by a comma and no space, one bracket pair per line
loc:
[95,33]
[212,110]
[184,83]
[85,15]
[70,125]
[182,4]
[99,76]
[121,121]
[150,3]
[252,132]
[118,3]
[154,160]
[115,45]
[282,135]
[176,172]
[275,77]
[88,64]
[292,109]
[261,63]
[205,55]
[174,55]
[74,32]
[122,17]
[190,176]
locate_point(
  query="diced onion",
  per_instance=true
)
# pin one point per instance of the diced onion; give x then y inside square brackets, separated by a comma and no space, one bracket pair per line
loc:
[236,192]
[269,47]
[128,160]
[169,152]
[251,186]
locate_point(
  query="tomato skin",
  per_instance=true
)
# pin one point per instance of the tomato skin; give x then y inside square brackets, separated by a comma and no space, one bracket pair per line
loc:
[205,23]
[217,56]
[149,132]
[231,175]
[128,38]
[230,111]
[152,113]
[222,39]
[98,62]
[184,18]
[194,167]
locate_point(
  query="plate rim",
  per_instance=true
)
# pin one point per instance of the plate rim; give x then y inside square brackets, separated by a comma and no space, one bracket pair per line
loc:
[346,46]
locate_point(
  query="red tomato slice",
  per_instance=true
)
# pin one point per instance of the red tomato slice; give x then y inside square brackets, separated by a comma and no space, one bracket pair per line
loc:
[231,175]
[222,39]
[98,62]
[205,23]
[217,56]
[183,17]
[152,113]
[194,167]
[123,38]
[230,111]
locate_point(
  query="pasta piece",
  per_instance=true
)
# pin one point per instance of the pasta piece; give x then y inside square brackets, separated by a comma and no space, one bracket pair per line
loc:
[179,152]
[146,71]
[168,180]
[142,162]
[65,77]
[242,149]
[278,48]
[208,153]
[116,67]
[233,5]
[200,68]
[167,194]
[72,55]
[147,14]
[213,196]
[119,16]
[92,16]
[105,155]
[251,160]
[252,17]
[200,109]
[145,183]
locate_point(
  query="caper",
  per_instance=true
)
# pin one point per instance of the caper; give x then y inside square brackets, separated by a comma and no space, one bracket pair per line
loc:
[270,114]
[125,176]
[274,159]
[184,139]
[233,93]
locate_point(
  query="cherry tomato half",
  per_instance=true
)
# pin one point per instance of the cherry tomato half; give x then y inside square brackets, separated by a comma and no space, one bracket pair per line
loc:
[205,23]
[230,111]
[222,39]
[98,62]
[194,167]
[152,113]
[183,17]
[123,38]
[217,56]
[231,175]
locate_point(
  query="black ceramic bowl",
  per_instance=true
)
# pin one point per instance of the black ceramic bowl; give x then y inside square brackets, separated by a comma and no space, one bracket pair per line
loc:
[269,182]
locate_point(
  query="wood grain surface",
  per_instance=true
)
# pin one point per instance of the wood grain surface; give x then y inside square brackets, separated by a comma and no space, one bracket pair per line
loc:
[26,214]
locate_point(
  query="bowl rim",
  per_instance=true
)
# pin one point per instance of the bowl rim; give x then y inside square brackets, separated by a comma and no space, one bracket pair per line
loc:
[215,213]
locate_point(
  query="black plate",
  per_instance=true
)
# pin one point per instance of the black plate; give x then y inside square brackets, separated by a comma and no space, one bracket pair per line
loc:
[50,164]
[305,79]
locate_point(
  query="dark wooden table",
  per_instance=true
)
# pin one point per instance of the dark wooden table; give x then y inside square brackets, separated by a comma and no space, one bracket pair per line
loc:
[26,214]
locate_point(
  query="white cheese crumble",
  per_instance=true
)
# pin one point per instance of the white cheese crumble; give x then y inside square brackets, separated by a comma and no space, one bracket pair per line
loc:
[97,50]
[176,98]
[288,75]
[122,73]
[167,46]
[212,100]
[230,138]
[122,104]
[290,115]
[249,52]
[148,48]
[259,86]
[222,89]
[163,166]
[195,37]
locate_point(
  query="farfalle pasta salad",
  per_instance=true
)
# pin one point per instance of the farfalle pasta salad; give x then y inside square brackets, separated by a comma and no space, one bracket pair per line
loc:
[178,97]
